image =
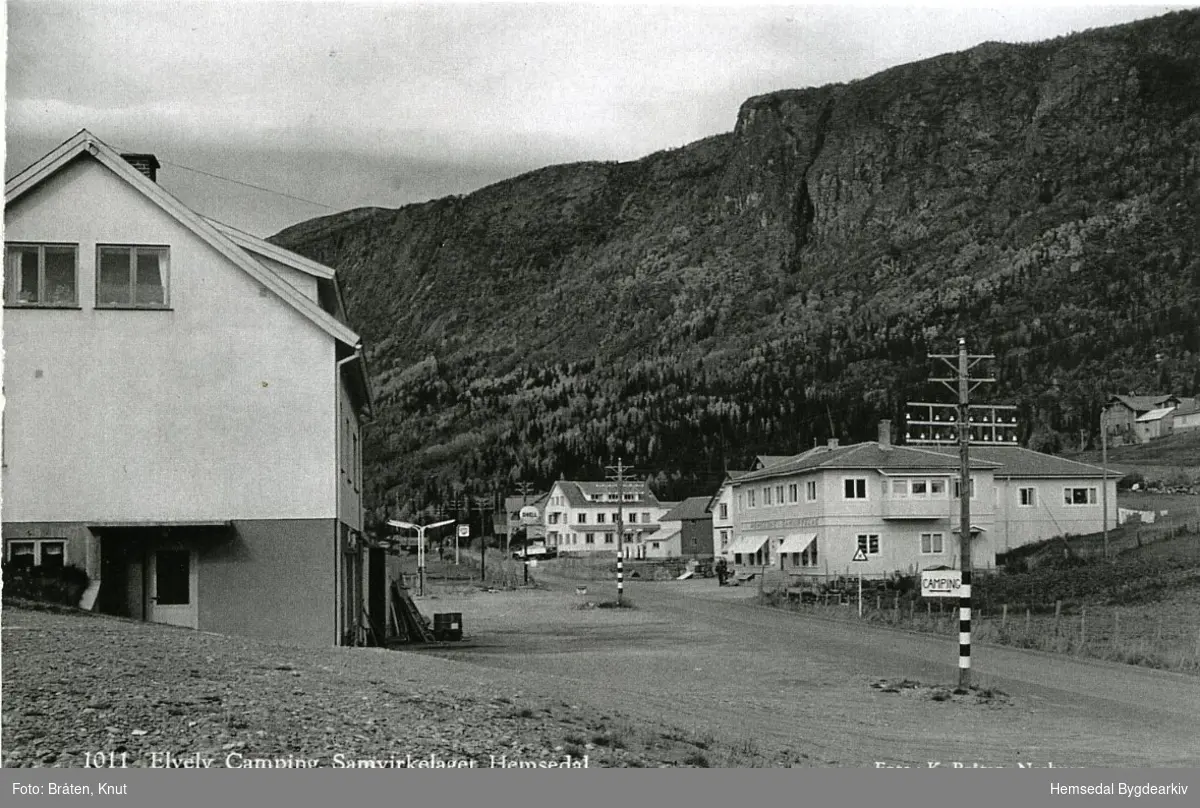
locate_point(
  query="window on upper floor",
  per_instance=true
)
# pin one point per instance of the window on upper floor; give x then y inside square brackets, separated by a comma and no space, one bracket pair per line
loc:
[779,495]
[630,497]
[810,490]
[724,510]
[793,492]
[581,518]
[958,488]
[632,518]
[131,276]
[750,503]
[766,495]
[41,275]
[599,518]
[854,488]
[1028,497]
[646,517]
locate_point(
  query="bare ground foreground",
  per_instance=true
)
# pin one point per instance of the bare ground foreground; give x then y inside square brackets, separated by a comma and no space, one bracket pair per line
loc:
[694,675]
[766,679]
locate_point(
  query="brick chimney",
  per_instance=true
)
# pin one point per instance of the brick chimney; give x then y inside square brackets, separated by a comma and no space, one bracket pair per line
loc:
[833,443]
[145,163]
[885,433]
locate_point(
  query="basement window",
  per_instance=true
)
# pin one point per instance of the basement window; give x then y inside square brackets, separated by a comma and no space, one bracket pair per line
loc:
[131,277]
[41,275]
[49,553]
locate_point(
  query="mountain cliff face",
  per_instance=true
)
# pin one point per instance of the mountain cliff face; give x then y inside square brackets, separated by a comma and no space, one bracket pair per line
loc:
[757,290]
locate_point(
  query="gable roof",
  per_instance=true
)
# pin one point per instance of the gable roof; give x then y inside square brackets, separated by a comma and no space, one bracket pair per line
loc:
[1143,403]
[869,455]
[86,145]
[1187,406]
[1155,415]
[690,509]
[576,493]
[1017,461]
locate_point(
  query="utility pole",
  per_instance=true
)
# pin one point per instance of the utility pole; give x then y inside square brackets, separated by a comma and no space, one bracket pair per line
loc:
[618,473]
[479,504]
[1104,490]
[962,364]
[525,487]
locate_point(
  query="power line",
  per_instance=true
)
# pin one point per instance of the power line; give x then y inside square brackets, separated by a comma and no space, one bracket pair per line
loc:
[247,184]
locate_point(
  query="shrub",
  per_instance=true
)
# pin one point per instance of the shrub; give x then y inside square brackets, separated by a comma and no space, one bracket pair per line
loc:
[63,585]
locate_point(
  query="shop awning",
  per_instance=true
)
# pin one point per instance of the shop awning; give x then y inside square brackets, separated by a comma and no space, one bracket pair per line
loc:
[747,544]
[797,543]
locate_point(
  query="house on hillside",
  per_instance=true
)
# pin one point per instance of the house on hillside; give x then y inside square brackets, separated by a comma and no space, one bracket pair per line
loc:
[1186,416]
[898,505]
[1154,424]
[1120,415]
[184,405]
[581,517]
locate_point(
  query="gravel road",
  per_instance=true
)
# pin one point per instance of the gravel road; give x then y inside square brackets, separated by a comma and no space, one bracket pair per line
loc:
[78,684]
[762,678]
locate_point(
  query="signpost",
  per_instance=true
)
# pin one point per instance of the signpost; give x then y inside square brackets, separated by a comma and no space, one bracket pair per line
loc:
[859,555]
[943,583]
[464,532]
[529,517]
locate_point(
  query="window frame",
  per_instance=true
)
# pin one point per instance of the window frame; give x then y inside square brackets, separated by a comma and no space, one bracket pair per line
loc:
[723,509]
[856,496]
[38,551]
[1032,503]
[164,269]
[863,542]
[941,543]
[957,488]
[1091,495]
[12,284]
[793,492]
[810,491]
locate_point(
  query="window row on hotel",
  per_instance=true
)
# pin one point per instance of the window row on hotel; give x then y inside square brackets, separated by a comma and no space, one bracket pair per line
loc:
[47,275]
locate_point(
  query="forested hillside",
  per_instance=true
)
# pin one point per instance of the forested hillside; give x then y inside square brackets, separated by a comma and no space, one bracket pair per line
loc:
[781,283]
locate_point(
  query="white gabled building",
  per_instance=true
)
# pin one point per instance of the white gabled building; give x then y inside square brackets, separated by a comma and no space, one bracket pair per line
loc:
[183,412]
[581,517]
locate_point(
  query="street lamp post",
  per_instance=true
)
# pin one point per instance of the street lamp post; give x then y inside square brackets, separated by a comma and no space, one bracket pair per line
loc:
[420,546]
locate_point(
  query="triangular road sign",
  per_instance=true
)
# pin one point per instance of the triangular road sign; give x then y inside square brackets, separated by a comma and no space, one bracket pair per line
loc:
[859,555]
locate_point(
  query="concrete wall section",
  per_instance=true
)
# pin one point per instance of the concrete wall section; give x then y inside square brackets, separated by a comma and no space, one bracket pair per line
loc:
[275,580]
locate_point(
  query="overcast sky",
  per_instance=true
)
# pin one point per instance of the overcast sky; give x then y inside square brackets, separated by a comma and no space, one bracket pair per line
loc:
[349,104]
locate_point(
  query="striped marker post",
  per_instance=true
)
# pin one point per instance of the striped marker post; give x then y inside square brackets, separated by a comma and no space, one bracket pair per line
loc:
[964,631]
[620,578]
